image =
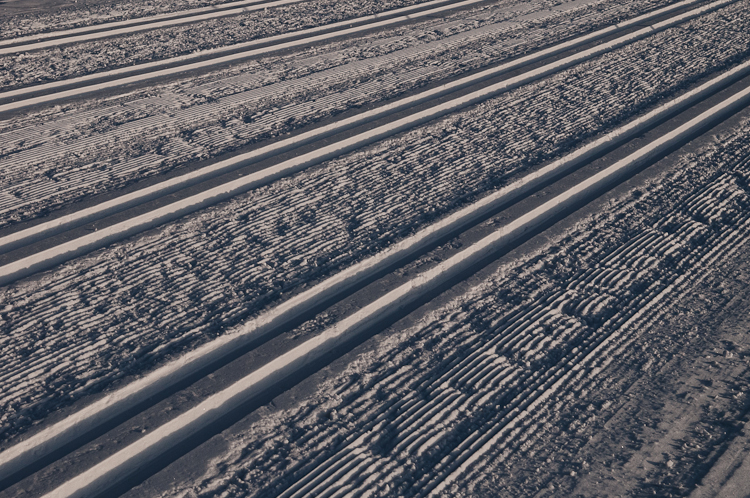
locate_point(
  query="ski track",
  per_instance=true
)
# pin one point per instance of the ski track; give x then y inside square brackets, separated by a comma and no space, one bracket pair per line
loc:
[478,381]
[89,15]
[108,30]
[84,58]
[55,162]
[126,309]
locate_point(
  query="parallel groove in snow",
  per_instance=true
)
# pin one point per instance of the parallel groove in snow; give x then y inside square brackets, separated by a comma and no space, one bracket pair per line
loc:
[20,165]
[552,303]
[161,439]
[51,133]
[131,277]
[115,28]
[217,135]
[101,277]
[51,257]
[23,97]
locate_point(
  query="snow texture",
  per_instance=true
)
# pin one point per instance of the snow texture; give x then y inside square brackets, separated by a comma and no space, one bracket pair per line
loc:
[120,312]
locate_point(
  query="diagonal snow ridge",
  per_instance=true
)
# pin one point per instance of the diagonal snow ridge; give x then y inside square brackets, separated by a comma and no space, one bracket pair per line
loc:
[161,439]
[472,427]
[579,374]
[46,259]
[418,387]
[303,308]
[151,272]
[115,28]
[24,97]
[30,149]
[46,229]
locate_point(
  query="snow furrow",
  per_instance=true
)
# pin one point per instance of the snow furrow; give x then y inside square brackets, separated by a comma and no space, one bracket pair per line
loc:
[88,33]
[213,227]
[583,365]
[537,386]
[200,145]
[25,97]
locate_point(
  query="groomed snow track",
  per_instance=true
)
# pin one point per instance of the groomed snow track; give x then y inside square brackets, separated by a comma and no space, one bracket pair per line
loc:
[46,93]
[129,26]
[50,257]
[486,400]
[120,466]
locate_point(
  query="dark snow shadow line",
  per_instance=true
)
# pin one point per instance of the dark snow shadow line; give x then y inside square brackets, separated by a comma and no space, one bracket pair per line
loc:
[237,414]
[372,330]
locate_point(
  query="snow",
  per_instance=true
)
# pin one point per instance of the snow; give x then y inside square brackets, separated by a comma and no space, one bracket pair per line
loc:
[158,441]
[475,385]
[76,248]
[213,57]
[114,28]
[51,19]
[172,263]
[421,369]
[175,117]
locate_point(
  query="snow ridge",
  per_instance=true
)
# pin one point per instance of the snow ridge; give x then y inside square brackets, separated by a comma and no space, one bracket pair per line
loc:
[39,363]
[439,420]
[22,98]
[46,259]
[115,28]
[126,461]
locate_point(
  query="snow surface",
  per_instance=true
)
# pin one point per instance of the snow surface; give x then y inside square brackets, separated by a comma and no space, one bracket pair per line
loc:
[47,20]
[161,439]
[46,259]
[448,406]
[306,301]
[198,121]
[240,109]
[188,42]
[190,277]
[33,42]
[457,403]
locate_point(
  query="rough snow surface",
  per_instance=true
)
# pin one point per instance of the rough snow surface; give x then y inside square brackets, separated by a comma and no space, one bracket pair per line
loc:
[153,134]
[63,62]
[124,310]
[105,30]
[446,407]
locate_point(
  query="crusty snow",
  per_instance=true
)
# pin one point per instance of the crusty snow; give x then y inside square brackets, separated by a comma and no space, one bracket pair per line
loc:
[493,374]
[460,386]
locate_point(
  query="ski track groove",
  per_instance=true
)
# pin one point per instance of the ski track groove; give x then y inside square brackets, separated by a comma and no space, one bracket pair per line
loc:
[221,38]
[390,209]
[21,95]
[178,258]
[524,403]
[118,28]
[42,23]
[654,247]
[24,157]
